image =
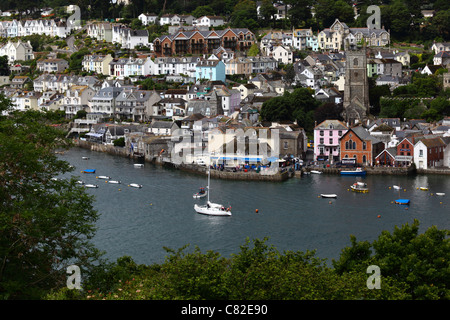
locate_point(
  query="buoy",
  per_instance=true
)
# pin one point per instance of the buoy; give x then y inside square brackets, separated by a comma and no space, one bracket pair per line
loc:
[440,202]
[378,216]
[406,208]
[318,196]
[389,187]
[404,190]
[256,210]
[431,194]
[329,202]
[120,189]
[392,201]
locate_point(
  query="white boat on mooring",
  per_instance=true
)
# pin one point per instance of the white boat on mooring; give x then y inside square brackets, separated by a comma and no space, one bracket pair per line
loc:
[441,194]
[135,185]
[211,208]
[91,185]
[114,181]
[396,187]
[138,165]
[200,194]
[315,172]
[103,177]
[331,195]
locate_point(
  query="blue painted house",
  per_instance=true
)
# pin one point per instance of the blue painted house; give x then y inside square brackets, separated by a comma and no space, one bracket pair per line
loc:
[211,69]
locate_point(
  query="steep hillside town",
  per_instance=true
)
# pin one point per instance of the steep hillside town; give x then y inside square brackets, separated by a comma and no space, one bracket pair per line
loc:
[121,80]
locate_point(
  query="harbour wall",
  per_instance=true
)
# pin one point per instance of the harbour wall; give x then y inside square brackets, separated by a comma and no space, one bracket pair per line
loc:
[252,175]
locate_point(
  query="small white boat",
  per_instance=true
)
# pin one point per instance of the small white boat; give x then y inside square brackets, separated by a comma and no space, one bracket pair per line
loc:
[135,185]
[328,195]
[138,165]
[114,181]
[80,182]
[85,158]
[396,187]
[103,177]
[423,188]
[91,186]
[359,187]
[200,194]
[440,194]
[316,172]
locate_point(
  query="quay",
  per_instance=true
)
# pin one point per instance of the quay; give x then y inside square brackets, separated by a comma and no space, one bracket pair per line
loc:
[281,175]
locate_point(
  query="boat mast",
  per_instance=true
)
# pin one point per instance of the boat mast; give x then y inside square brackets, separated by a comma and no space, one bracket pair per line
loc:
[209,174]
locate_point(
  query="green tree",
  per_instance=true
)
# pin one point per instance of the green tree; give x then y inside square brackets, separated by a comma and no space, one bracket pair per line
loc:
[421,261]
[45,224]
[203,11]
[4,67]
[267,11]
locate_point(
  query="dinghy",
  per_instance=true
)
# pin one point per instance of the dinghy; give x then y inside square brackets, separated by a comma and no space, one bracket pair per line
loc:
[114,181]
[91,186]
[103,177]
[328,195]
[135,185]
[441,194]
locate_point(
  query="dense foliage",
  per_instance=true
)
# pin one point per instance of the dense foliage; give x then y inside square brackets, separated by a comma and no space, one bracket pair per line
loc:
[412,266]
[45,223]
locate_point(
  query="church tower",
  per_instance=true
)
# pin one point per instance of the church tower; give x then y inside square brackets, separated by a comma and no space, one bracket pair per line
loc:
[356,88]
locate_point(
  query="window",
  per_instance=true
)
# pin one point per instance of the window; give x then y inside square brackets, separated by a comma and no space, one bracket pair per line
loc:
[364,145]
[420,153]
[330,141]
[286,144]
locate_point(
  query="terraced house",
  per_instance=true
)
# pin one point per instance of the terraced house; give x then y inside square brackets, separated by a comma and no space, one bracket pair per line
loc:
[203,42]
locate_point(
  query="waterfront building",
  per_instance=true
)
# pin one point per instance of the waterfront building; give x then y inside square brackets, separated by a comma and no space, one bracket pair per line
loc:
[429,152]
[327,137]
[358,144]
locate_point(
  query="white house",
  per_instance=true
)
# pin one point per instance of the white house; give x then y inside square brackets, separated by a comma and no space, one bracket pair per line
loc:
[148,18]
[209,21]
[17,51]
[283,54]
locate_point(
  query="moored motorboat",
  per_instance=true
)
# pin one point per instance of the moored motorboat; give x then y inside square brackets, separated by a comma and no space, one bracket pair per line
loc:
[397,187]
[356,172]
[441,194]
[359,187]
[88,171]
[423,188]
[85,158]
[138,165]
[91,186]
[315,172]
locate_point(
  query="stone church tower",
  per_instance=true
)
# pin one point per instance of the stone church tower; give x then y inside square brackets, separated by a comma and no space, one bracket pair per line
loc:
[356,88]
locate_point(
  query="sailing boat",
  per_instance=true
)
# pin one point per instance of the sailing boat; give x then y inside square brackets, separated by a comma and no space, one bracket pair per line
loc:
[210,208]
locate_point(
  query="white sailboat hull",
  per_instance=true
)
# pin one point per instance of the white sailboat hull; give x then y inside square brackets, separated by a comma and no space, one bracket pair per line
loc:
[212,210]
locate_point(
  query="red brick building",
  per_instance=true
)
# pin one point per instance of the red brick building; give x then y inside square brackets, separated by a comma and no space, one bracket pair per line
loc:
[203,42]
[405,151]
[357,143]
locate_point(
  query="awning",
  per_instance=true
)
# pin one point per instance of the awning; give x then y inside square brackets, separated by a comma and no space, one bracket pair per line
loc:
[95,135]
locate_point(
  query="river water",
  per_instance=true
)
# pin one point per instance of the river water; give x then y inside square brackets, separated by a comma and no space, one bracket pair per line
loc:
[140,222]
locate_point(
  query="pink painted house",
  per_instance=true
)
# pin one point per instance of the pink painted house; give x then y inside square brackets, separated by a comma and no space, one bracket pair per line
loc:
[327,137]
